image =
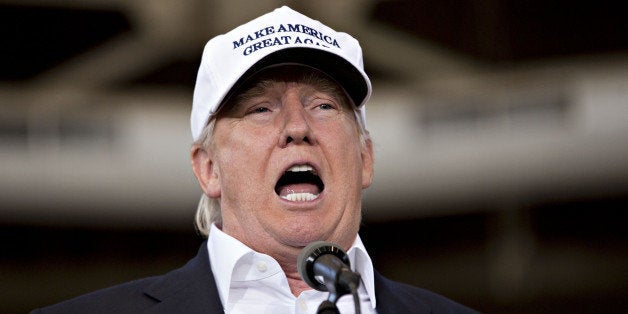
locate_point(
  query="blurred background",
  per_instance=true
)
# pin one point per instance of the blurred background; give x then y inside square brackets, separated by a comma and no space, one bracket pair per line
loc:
[500,127]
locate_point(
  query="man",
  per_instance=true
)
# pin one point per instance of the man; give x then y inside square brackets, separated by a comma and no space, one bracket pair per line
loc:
[282,155]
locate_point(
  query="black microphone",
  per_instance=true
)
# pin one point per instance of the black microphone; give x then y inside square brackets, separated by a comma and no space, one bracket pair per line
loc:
[325,266]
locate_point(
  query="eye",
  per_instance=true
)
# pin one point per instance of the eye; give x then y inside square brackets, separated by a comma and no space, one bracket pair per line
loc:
[259,110]
[326,106]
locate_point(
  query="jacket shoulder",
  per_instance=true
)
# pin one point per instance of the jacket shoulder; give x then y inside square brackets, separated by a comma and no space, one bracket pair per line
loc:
[123,298]
[397,297]
[189,289]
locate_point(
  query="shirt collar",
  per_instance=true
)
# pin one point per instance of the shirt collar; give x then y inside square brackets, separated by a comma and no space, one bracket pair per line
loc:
[361,263]
[225,252]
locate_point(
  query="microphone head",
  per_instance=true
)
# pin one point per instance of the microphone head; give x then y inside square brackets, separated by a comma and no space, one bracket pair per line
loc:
[309,254]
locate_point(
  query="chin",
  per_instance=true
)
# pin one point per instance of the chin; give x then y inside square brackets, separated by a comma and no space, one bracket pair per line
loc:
[303,233]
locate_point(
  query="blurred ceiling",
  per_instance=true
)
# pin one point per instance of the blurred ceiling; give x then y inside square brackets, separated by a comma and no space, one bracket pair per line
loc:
[475,101]
[39,35]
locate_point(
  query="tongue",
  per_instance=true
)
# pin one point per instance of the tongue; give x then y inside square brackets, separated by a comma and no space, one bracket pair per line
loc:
[298,188]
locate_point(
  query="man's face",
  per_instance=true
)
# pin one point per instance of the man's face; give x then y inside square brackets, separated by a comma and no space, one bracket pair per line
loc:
[288,166]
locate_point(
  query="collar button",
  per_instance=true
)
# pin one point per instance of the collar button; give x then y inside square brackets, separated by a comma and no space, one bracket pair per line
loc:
[262,267]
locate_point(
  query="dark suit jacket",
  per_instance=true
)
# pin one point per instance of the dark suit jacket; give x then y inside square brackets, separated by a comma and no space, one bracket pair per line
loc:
[192,289]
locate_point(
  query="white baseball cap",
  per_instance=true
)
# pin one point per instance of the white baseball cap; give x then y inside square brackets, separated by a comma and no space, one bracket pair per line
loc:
[282,36]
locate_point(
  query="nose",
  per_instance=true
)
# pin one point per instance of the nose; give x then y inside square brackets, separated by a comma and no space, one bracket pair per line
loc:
[296,128]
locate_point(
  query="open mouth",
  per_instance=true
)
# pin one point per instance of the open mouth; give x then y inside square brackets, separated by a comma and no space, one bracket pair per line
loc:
[300,183]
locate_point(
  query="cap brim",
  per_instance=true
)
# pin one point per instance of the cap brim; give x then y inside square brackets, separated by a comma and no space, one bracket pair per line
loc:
[339,69]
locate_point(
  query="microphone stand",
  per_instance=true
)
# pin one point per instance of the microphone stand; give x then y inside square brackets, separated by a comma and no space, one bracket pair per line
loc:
[348,284]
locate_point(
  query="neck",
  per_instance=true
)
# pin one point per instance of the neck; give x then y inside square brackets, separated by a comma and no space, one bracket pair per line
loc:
[288,264]
[297,286]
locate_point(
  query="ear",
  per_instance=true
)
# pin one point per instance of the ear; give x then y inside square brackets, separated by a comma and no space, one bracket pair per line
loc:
[368,161]
[205,171]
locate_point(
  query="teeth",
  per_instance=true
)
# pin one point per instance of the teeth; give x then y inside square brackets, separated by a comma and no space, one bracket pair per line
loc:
[300,168]
[300,197]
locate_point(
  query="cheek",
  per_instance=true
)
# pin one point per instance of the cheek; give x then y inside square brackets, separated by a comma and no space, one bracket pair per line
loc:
[346,154]
[234,161]
[241,156]
[349,143]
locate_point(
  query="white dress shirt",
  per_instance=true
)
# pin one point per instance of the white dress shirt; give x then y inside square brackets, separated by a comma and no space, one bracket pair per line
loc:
[251,282]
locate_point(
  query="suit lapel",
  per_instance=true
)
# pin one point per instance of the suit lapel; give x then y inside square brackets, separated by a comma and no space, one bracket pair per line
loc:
[189,289]
[391,298]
